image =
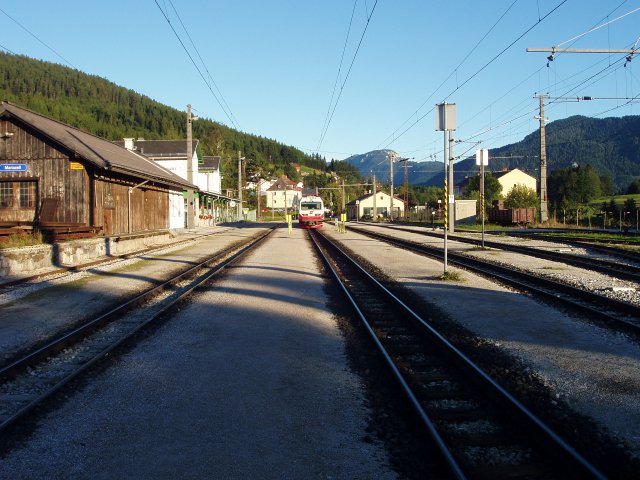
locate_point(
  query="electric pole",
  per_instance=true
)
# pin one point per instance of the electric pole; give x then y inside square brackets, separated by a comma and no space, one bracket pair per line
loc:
[543,165]
[452,205]
[630,52]
[375,208]
[190,196]
[392,157]
[239,186]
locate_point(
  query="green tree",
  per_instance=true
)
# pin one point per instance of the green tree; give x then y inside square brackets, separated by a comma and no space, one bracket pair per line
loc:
[492,189]
[606,185]
[521,196]
[634,187]
[573,186]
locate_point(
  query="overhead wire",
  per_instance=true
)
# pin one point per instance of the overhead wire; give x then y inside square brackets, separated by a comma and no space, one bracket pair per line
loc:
[193,61]
[335,84]
[186,31]
[582,82]
[493,59]
[326,129]
[38,39]
[454,71]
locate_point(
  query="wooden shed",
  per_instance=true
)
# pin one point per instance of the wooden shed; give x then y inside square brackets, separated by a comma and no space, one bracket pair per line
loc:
[54,174]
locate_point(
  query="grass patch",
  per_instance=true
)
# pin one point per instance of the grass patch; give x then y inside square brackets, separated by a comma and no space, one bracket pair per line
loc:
[21,240]
[452,276]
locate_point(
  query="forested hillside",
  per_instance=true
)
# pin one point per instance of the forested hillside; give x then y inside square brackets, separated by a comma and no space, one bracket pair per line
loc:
[105,109]
[610,145]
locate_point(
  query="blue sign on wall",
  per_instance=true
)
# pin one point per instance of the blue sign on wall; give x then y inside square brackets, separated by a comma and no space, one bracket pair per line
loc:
[13,167]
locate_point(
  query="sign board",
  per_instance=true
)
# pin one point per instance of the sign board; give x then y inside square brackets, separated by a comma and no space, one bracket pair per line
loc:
[446,116]
[451,199]
[232,203]
[482,157]
[76,166]
[13,167]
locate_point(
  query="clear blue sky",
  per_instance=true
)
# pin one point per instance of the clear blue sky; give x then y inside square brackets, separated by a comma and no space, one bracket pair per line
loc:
[276,62]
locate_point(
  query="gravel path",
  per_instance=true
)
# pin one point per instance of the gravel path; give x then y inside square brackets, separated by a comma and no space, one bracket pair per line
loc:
[595,371]
[249,380]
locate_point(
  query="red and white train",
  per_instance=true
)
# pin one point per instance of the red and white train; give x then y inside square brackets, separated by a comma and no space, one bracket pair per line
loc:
[310,211]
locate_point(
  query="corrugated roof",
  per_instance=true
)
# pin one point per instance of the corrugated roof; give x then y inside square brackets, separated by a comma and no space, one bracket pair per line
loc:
[95,150]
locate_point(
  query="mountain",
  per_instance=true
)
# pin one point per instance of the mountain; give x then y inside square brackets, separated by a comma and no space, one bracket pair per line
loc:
[377,162]
[610,145]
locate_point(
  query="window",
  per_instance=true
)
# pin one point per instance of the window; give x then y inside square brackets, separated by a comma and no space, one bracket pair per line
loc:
[6,195]
[310,205]
[27,195]
[18,194]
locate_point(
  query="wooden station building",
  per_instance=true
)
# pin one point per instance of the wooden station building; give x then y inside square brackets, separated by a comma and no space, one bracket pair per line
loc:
[55,176]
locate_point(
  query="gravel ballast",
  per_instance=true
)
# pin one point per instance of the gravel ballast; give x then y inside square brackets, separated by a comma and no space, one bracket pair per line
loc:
[593,370]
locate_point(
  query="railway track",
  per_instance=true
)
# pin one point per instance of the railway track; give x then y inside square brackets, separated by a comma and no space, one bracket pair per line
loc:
[8,285]
[614,314]
[607,267]
[480,429]
[606,247]
[28,381]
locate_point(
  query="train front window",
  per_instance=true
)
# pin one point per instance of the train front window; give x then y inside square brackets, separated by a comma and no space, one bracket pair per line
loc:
[310,205]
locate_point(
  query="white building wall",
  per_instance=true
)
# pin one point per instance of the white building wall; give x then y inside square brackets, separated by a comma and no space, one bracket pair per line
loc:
[176,210]
[276,198]
[516,177]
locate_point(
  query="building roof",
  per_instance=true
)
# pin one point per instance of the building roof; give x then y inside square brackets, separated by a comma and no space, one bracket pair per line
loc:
[169,149]
[95,150]
[210,163]
[283,183]
[502,173]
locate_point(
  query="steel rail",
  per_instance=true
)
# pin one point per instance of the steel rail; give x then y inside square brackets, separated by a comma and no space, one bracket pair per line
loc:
[534,422]
[55,346]
[609,309]
[614,269]
[451,462]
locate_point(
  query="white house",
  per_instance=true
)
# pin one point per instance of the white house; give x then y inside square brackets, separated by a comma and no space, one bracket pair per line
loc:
[283,193]
[509,178]
[363,206]
[209,178]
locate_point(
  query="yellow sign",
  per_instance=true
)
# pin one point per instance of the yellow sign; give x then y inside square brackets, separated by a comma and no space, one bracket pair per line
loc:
[76,166]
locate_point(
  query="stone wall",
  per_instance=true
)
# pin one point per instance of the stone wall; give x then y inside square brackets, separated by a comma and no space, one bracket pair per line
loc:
[34,259]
